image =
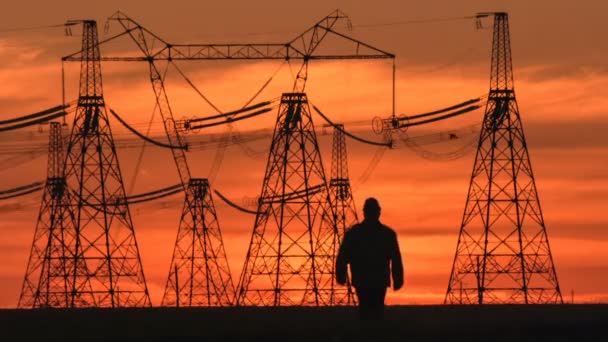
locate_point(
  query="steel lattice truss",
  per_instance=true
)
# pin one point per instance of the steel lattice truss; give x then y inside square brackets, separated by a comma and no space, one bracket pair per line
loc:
[53,250]
[198,214]
[199,274]
[94,259]
[503,253]
[291,255]
[341,196]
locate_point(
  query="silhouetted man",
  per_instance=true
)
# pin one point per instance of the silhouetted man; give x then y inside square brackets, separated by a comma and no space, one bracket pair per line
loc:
[372,251]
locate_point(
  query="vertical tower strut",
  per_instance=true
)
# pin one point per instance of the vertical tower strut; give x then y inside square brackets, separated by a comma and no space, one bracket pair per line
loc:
[290,258]
[503,253]
[341,196]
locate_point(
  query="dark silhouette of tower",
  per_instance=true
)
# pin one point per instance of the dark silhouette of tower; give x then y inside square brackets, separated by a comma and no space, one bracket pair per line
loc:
[199,273]
[291,254]
[341,196]
[92,258]
[50,257]
[503,253]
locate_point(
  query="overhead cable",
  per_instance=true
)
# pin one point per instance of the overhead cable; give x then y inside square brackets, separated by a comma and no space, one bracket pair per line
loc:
[447,109]
[234,205]
[234,112]
[21,188]
[34,122]
[21,193]
[365,141]
[148,199]
[169,188]
[35,115]
[438,118]
[195,88]
[231,120]
[416,21]
[32,28]
[134,131]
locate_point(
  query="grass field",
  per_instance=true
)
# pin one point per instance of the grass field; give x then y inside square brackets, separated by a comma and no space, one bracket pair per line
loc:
[402,323]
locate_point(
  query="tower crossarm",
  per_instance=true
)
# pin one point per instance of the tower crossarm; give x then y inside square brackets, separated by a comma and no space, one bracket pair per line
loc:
[305,46]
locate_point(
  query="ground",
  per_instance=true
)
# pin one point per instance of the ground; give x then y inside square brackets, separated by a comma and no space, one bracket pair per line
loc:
[402,323]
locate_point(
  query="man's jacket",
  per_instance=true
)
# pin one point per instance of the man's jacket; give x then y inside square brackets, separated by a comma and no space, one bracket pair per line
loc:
[372,251]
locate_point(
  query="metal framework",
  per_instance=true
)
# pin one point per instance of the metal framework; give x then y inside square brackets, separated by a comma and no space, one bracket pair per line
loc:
[199,274]
[304,47]
[341,194]
[53,248]
[503,253]
[105,269]
[292,249]
[196,210]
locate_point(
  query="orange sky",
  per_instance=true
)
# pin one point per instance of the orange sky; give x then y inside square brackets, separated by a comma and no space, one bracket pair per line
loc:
[561,82]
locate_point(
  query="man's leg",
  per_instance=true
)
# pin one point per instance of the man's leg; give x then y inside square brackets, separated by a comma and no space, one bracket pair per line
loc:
[365,302]
[377,302]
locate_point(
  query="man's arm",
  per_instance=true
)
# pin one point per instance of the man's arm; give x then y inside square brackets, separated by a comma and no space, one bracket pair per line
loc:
[396,264]
[342,261]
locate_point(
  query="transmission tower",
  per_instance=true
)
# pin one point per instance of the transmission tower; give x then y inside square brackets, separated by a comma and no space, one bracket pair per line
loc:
[291,254]
[199,275]
[50,258]
[503,253]
[304,47]
[97,255]
[341,195]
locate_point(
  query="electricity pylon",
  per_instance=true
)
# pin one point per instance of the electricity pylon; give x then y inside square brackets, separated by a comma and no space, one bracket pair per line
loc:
[203,277]
[92,258]
[49,262]
[291,255]
[342,200]
[305,47]
[199,273]
[503,253]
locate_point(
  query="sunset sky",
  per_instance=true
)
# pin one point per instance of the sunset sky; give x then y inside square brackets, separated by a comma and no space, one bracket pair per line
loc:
[560,60]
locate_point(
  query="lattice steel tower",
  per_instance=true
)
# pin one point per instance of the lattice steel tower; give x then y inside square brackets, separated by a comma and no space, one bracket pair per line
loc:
[342,198]
[51,256]
[199,273]
[291,255]
[304,47]
[102,266]
[503,253]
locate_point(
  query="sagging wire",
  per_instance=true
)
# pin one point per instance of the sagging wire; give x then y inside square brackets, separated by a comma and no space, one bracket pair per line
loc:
[140,135]
[21,190]
[194,87]
[233,119]
[417,21]
[404,121]
[34,119]
[439,118]
[234,205]
[365,141]
[130,200]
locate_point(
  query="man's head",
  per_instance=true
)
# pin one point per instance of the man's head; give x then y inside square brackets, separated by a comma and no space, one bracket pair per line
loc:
[371,209]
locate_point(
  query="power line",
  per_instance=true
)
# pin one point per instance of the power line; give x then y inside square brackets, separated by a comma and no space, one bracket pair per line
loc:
[415,21]
[32,28]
